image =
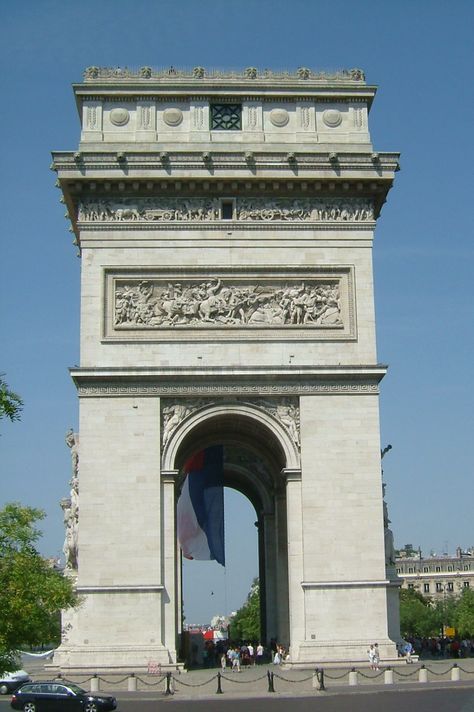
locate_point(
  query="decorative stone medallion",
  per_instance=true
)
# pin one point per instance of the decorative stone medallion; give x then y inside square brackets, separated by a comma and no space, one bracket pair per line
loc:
[279,117]
[172,116]
[332,118]
[119,116]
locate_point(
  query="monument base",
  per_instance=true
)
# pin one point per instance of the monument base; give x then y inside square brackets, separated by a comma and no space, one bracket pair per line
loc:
[108,659]
[350,652]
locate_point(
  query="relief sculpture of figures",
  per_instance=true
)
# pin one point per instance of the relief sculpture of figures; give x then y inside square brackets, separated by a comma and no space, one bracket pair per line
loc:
[150,210]
[208,210]
[70,505]
[286,410]
[220,302]
[388,534]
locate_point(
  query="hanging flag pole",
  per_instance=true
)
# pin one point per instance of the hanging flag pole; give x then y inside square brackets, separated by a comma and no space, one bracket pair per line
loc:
[200,508]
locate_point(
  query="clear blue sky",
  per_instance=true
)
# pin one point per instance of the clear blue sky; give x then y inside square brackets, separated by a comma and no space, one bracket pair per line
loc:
[420,54]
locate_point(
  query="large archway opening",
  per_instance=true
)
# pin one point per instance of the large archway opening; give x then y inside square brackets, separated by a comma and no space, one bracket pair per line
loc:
[254,461]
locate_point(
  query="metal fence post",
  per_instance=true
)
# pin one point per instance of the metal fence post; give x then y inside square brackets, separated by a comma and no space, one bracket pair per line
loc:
[270,681]
[219,687]
[320,674]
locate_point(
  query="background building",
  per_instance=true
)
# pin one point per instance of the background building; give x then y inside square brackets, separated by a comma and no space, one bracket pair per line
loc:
[433,575]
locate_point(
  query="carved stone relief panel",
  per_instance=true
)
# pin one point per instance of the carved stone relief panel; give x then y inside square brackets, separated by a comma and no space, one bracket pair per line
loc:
[169,210]
[317,302]
[285,409]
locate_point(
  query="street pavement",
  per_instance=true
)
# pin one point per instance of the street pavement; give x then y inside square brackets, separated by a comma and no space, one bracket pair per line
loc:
[198,689]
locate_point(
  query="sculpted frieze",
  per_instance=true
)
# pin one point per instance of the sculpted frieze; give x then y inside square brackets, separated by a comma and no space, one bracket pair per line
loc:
[158,210]
[222,302]
[284,409]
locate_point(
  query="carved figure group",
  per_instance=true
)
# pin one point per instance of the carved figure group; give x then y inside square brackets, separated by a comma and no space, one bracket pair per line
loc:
[208,210]
[217,302]
[285,410]
[388,534]
[70,505]
[170,210]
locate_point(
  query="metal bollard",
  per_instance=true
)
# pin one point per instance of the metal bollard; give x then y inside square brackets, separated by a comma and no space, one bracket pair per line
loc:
[388,676]
[270,681]
[132,682]
[168,690]
[95,683]
[320,676]
[219,686]
[455,673]
[353,677]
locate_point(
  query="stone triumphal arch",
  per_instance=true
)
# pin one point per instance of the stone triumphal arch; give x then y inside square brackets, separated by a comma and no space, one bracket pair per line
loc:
[225,224]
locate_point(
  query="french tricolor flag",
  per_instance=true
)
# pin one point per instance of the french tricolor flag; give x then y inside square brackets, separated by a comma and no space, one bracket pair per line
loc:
[200,509]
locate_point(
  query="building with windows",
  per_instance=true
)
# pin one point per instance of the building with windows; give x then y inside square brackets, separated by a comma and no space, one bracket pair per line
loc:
[436,575]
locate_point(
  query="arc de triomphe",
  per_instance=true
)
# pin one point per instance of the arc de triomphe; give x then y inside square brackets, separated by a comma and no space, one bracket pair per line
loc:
[225,224]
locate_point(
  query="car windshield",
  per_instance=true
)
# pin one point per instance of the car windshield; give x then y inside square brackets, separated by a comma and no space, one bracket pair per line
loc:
[77,690]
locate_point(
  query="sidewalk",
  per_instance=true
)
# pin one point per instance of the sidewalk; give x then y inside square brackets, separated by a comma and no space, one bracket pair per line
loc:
[255,682]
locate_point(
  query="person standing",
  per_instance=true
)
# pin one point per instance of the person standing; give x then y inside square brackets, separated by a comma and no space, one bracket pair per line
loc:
[376,656]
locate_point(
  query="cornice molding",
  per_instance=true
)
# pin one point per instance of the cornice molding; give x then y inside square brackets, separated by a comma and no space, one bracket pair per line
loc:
[223,382]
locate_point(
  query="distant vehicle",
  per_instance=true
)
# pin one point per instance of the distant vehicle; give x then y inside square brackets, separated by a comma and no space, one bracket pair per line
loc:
[12,680]
[48,696]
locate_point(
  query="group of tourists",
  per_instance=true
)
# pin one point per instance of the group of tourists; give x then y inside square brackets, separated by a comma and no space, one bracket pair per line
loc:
[233,655]
[440,647]
[374,656]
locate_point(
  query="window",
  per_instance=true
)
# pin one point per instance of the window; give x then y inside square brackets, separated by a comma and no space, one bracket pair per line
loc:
[426,588]
[439,587]
[399,571]
[425,569]
[466,584]
[227,209]
[438,568]
[410,570]
[411,586]
[450,568]
[450,586]
[226,117]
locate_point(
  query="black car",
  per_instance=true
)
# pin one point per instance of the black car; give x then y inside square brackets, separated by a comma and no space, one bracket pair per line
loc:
[51,696]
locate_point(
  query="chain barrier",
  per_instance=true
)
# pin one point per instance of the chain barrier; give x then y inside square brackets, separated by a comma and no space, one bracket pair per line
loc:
[112,682]
[243,682]
[270,675]
[468,672]
[439,674]
[151,684]
[287,679]
[66,681]
[371,677]
[402,674]
[198,684]
[337,677]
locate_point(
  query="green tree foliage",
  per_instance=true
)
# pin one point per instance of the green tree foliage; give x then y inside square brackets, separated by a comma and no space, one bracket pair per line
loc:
[31,592]
[417,616]
[464,614]
[10,403]
[245,625]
